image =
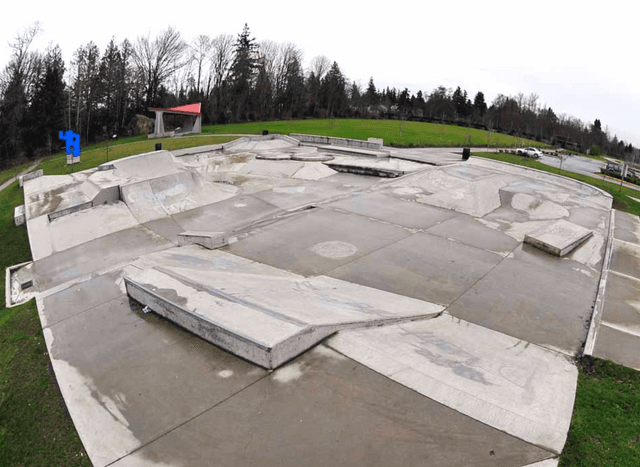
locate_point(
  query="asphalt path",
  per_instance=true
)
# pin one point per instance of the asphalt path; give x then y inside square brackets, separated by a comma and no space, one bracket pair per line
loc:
[581,165]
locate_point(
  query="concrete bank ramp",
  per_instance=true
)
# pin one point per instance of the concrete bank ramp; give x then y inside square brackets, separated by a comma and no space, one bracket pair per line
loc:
[263,314]
[148,165]
[171,194]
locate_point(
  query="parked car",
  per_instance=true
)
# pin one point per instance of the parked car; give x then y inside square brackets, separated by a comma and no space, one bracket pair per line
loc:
[529,152]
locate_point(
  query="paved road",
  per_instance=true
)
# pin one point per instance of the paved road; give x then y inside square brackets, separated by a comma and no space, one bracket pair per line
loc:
[577,164]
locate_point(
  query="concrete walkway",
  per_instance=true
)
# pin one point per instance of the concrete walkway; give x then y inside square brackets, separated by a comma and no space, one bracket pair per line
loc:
[13,179]
[450,341]
[616,331]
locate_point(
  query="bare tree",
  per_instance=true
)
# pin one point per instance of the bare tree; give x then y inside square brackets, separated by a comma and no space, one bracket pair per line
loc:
[222,48]
[24,65]
[289,58]
[158,59]
[320,66]
[199,56]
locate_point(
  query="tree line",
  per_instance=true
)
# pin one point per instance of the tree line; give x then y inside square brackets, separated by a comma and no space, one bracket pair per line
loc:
[236,79]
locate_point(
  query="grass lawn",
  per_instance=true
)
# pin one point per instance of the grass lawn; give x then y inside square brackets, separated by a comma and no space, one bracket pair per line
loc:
[96,154]
[413,134]
[605,428]
[35,429]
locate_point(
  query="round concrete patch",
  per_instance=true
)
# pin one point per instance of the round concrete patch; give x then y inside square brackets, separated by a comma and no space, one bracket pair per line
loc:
[334,249]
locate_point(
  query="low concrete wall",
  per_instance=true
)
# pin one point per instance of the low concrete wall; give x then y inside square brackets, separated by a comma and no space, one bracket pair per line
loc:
[332,141]
[19,215]
[30,176]
[65,212]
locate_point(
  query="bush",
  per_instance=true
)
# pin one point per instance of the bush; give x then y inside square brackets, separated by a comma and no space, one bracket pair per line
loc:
[595,150]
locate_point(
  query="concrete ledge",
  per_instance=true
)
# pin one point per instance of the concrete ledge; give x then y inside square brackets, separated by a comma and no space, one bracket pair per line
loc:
[65,212]
[598,308]
[19,217]
[333,141]
[362,170]
[14,280]
[559,238]
[349,151]
[30,176]
[210,240]
[224,336]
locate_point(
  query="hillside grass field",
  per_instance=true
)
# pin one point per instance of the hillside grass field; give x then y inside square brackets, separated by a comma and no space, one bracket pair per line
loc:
[403,134]
[35,428]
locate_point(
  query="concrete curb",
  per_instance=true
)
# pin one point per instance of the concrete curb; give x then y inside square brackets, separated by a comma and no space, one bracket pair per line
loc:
[599,302]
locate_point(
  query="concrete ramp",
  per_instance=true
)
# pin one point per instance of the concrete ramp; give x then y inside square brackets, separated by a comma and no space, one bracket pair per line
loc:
[172,194]
[263,314]
[147,165]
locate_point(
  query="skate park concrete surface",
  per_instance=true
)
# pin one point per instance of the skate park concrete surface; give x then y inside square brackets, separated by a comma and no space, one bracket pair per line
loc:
[382,312]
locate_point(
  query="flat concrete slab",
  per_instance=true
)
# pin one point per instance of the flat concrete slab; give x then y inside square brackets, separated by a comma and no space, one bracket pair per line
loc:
[622,302]
[626,258]
[530,254]
[318,242]
[468,230]
[394,210]
[422,266]
[521,389]
[107,386]
[559,238]
[618,345]
[627,228]
[525,301]
[304,193]
[330,410]
[96,255]
[78,297]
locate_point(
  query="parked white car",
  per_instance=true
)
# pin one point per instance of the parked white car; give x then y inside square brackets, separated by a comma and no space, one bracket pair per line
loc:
[530,152]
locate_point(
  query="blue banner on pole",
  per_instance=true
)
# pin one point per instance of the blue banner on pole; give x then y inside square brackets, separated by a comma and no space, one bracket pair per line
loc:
[72,142]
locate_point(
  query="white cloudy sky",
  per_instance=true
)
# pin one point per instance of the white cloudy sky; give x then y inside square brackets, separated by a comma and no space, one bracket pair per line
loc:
[580,57]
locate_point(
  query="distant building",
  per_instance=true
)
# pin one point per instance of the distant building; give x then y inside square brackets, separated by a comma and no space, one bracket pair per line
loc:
[182,120]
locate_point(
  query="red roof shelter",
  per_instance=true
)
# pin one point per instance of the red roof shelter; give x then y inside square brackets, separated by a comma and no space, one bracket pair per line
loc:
[192,125]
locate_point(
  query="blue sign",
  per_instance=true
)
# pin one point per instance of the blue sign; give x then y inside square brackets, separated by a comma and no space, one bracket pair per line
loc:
[72,141]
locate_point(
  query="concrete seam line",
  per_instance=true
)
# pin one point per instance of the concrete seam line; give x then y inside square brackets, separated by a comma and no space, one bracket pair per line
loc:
[619,328]
[598,307]
[627,276]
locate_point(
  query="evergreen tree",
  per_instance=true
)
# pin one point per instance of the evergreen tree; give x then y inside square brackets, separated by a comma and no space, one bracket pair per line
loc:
[243,74]
[46,113]
[334,92]
[479,105]
[371,96]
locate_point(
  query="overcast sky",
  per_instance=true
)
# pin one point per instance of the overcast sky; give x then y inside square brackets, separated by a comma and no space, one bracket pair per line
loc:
[579,57]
